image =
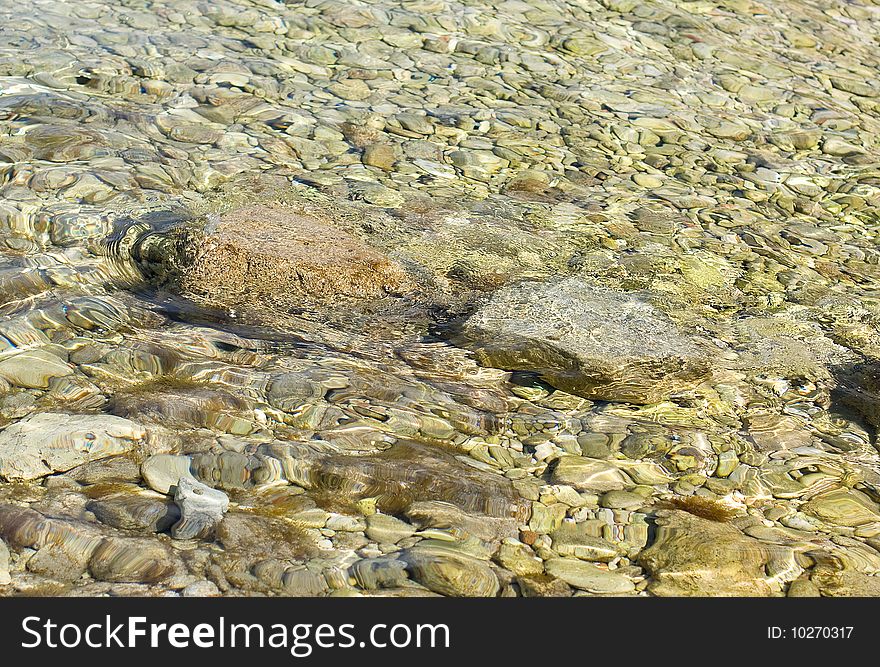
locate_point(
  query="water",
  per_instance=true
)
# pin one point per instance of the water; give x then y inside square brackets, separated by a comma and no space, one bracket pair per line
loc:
[719,174]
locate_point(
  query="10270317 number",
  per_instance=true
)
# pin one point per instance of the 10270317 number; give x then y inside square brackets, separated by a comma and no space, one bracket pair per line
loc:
[811,632]
[821,631]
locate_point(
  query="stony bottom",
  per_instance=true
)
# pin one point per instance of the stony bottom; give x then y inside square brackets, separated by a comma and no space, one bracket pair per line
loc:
[439,298]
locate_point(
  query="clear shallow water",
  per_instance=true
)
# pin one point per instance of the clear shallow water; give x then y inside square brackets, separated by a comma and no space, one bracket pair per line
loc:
[717,160]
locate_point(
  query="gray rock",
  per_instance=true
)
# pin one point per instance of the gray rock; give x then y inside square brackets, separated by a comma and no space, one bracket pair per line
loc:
[587,340]
[201,509]
[51,442]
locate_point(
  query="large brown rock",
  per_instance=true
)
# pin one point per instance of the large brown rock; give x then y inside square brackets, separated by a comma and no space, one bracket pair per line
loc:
[276,254]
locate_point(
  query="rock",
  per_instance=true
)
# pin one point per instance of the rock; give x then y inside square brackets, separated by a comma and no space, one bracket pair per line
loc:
[51,442]
[106,471]
[375,573]
[692,557]
[546,517]
[438,514]
[838,147]
[345,524]
[622,500]
[163,471]
[587,340]
[59,562]
[301,582]
[586,474]
[831,581]
[588,577]
[573,539]
[201,589]
[730,130]
[843,507]
[519,558]
[33,368]
[67,547]
[275,255]
[251,537]
[542,586]
[201,509]
[382,528]
[122,559]
[803,588]
[137,512]
[382,156]
[450,574]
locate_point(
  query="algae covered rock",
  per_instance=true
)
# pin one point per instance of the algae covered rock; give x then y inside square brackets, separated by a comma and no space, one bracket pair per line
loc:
[587,340]
[698,557]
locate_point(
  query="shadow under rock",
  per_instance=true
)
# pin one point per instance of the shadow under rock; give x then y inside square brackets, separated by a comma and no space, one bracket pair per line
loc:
[856,394]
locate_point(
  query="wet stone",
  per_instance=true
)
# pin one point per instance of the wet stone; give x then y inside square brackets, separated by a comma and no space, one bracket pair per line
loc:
[378,573]
[136,512]
[383,528]
[573,539]
[542,586]
[451,574]
[691,557]
[587,474]
[33,368]
[843,507]
[275,255]
[588,577]
[201,509]
[587,340]
[51,442]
